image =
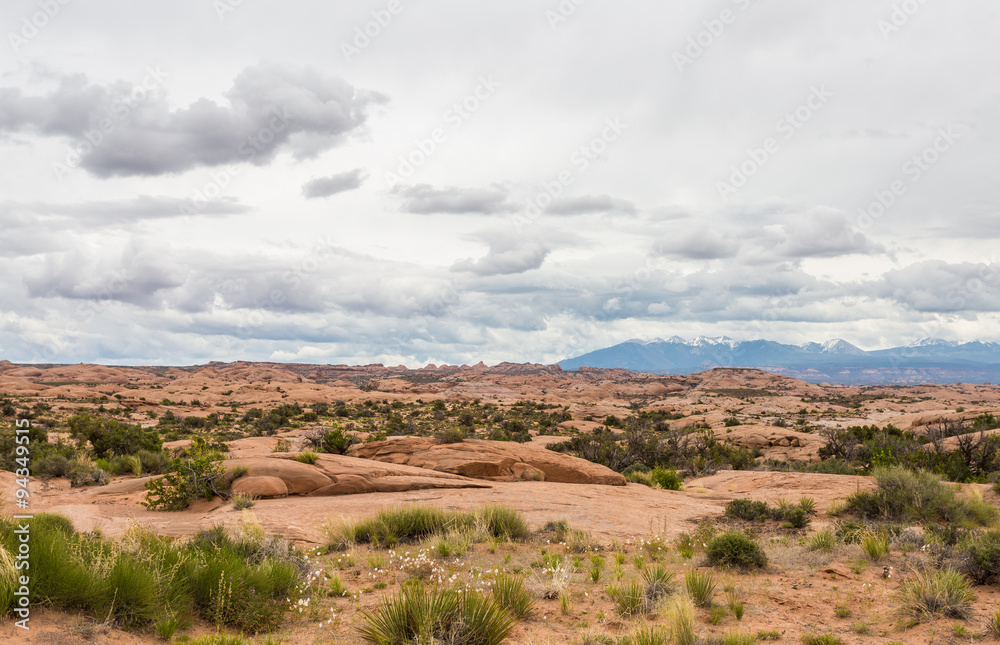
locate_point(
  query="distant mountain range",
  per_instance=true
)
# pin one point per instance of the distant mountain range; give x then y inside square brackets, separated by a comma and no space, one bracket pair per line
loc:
[929,360]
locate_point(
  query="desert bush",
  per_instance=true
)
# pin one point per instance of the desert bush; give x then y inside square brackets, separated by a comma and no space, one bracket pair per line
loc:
[509,592]
[748,510]
[916,495]
[306,457]
[850,531]
[57,465]
[980,556]
[821,639]
[736,638]
[993,624]
[200,474]
[110,437]
[411,523]
[929,593]
[451,434]
[700,586]
[242,501]
[334,441]
[8,580]
[667,479]
[83,472]
[143,581]
[418,615]
[735,549]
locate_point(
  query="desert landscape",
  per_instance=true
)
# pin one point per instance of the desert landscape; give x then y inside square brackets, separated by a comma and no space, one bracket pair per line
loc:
[308,455]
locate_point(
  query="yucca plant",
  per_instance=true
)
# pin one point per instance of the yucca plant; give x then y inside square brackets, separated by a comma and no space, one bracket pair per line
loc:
[629,598]
[822,540]
[509,592]
[701,586]
[416,615]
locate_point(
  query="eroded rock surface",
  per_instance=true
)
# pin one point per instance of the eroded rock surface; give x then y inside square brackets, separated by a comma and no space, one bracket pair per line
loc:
[491,460]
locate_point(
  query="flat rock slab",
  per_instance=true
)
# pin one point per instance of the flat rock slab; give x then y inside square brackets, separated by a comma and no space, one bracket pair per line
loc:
[490,460]
[280,475]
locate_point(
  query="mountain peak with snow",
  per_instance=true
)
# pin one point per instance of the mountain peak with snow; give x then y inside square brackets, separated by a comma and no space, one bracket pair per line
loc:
[841,346]
[934,342]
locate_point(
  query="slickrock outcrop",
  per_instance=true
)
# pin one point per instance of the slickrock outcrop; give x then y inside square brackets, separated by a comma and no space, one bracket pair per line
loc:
[280,475]
[491,460]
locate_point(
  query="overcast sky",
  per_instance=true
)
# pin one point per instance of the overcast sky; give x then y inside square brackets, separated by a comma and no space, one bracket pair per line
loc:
[450,181]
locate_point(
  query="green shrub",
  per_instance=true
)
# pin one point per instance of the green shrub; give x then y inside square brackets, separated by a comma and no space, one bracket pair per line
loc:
[416,615]
[749,510]
[109,437]
[980,555]
[200,474]
[821,639]
[242,501]
[667,479]
[735,549]
[929,593]
[451,434]
[407,523]
[307,457]
[917,496]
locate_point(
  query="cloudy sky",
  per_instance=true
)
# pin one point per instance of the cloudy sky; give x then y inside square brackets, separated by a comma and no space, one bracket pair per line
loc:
[451,181]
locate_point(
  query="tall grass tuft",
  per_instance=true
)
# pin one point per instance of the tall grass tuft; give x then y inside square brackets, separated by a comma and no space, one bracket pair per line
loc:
[822,540]
[680,620]
[509,592]
[875,544]
[629,598]
[502,521]
[701,587]
[418,615]
[929,593]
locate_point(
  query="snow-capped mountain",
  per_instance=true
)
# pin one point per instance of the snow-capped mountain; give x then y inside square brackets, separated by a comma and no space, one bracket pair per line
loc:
[835,361]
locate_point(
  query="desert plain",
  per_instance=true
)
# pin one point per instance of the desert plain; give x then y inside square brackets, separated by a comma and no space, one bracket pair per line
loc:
[591,527]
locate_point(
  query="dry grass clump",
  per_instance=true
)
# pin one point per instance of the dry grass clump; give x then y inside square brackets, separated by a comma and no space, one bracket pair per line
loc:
[930,593]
